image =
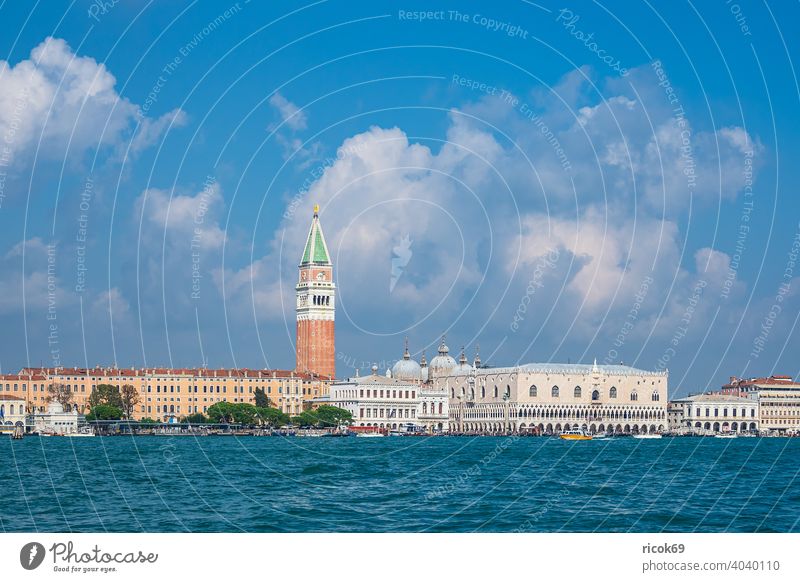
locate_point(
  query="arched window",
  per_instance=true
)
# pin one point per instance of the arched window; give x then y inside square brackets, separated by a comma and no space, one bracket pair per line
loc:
[634,396]
[612,393]
[495,391]
[655,397]
[508,391]
[577,391]
[452,392]
[483,392]
[554,391]
[472,393]
[595,395]
[532,391]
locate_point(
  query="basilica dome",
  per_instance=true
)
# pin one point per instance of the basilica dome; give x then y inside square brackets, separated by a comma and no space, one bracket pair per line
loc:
[442,364]
[407,369]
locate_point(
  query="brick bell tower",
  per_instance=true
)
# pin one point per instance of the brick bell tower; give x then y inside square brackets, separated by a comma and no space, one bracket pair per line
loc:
[316,295]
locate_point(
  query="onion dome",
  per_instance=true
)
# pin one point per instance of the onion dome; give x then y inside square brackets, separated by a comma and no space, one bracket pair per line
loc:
[407,369]
[442,364]
[463,366]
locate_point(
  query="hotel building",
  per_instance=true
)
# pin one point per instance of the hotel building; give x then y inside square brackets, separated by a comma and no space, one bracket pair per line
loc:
[166,393]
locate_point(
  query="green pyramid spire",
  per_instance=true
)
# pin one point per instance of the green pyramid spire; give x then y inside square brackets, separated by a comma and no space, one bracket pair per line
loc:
[316,251]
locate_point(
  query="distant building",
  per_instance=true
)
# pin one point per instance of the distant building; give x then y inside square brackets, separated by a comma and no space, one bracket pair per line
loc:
[378,401]
[456,396]
[168,393]
[778,399]
[12,412]
[55,420]
[547,398]
[718,413]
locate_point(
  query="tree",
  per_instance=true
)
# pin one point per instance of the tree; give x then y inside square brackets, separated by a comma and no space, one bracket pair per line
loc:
[129,397]
[306,418]
[333,416]
[148,420]
[196,418]
[107,394]
[262,400]
[227,412]
[104,412]
[61,394]
[272,417]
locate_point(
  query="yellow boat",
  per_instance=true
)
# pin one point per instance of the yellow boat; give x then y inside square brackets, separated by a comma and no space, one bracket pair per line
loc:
[575,434]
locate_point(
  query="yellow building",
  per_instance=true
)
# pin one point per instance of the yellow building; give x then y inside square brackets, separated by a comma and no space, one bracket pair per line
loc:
[166,393]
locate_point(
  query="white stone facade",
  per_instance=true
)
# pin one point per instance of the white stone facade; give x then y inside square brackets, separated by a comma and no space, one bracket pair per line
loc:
[55,420]
[714,413]
[551,398]
[12,412]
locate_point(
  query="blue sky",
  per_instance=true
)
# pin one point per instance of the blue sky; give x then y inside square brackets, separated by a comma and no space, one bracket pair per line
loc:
[553,181]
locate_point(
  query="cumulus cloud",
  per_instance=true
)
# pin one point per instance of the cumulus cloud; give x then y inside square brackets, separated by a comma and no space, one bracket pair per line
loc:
[380,190]
[65,104]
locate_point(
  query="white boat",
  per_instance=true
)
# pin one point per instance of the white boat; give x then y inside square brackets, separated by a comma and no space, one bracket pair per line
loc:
[647,436]
[725,436]
[81,432]
[370,435]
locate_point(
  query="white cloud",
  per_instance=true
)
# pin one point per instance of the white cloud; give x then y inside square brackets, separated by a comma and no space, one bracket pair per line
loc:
[111,304]
[68,103]
[289,112]
[150,131]
[380,189]
[184,220]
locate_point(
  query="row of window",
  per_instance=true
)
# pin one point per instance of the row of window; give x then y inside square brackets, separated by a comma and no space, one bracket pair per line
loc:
[388,413]
[533,392]
[375,393]
[20,409]
[698,412]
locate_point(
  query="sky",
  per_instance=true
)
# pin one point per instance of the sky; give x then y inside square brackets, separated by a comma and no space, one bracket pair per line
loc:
[552,182]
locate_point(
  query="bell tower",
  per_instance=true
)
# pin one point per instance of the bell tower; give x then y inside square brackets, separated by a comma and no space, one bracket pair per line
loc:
[316,294]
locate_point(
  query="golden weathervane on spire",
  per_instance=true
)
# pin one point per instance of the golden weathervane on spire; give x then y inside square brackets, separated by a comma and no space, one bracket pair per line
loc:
[316,209]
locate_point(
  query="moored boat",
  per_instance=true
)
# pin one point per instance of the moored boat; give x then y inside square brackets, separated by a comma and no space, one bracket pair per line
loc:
[647,436]
[370,435]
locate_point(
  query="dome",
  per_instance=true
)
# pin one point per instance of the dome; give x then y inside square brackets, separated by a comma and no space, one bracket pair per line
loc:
[407,369]
[443,364]
[463,366]
[55,407]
